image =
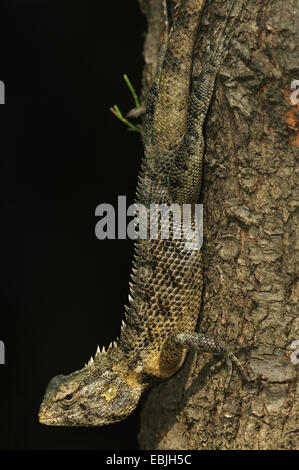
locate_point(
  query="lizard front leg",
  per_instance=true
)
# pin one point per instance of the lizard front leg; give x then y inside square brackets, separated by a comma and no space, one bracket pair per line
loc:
[202,343]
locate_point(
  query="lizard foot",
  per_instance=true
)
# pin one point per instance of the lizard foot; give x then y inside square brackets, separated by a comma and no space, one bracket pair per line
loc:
[203,343]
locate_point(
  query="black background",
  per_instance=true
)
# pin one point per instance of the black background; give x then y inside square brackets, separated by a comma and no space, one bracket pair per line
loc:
[62,154]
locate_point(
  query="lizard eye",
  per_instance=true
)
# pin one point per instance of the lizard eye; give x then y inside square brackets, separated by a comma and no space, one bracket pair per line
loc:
[67,394]
[69,399]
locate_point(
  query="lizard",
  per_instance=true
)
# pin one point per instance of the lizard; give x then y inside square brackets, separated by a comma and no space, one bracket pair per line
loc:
[167,280]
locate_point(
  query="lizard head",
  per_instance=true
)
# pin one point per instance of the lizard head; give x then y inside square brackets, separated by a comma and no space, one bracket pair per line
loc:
[89,397]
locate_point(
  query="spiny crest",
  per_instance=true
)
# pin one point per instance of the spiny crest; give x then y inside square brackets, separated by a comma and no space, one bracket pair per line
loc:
[101,356]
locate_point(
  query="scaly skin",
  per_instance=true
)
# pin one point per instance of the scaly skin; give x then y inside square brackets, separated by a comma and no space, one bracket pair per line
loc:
[167,278]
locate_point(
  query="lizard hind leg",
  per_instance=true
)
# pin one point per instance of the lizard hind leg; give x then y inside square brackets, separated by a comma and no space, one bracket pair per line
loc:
[171,104]
[224,37]
[203,343]
[185,173]
[202,84]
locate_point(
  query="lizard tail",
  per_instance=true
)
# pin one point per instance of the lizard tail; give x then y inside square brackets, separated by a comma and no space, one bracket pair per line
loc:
[173,79]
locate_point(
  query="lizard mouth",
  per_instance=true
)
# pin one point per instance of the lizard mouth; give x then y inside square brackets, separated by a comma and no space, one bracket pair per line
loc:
[45,418]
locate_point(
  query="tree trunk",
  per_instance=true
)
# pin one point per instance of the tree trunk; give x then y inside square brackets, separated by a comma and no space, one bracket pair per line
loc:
[250,228]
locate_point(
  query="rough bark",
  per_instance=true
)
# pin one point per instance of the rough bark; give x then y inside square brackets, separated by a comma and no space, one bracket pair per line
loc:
[250,241]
